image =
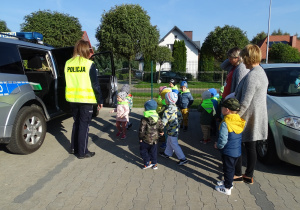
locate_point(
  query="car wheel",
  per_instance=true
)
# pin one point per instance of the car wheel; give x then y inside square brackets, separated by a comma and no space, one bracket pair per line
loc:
[29,131]
[266,150]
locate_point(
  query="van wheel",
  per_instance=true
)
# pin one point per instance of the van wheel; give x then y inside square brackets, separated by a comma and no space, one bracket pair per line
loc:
[29,131]
[266,150]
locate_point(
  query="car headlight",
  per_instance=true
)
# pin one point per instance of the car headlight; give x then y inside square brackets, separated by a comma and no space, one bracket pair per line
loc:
[292,122]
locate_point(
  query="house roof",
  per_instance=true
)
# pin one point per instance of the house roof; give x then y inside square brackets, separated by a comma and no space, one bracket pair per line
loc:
[290,40]
[175,28]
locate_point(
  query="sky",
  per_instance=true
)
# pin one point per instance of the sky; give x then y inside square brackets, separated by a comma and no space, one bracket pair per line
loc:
[199,16]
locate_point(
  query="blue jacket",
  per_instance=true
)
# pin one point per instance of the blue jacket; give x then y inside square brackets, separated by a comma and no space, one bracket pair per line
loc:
[185,99]
[230,136]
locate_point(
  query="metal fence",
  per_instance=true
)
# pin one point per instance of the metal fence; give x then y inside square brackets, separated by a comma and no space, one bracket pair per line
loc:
[141,84]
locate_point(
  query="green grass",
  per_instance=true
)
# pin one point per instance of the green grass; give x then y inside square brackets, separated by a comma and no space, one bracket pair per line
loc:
[191,84]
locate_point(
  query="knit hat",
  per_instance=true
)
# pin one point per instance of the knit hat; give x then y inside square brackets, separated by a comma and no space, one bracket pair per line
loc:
[183,83]
[122,95]
[125,88]
[232,104]
[175,91]
[150,105]
[164,91]
[161,88]
[213,91]
[171,97]
[206,95]
[222,89]
[173,81]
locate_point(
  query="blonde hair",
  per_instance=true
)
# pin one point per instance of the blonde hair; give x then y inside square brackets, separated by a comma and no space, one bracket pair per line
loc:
[82,48]
[251,54]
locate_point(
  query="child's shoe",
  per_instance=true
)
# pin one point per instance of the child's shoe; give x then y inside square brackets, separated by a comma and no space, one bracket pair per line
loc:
[223,190]
[123,136]
[118,134]
[182,162]
[204,141]
[147,166]
[219,183]
[208,140]
[163,155]
[154,167]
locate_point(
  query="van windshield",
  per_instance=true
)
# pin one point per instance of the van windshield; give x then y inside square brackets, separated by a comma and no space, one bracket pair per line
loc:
[284,81]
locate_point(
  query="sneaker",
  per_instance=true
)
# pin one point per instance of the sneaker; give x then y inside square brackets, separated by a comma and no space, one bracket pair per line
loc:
[123,136]
[205,142]
[208,140]
[219,183]
[163,155]
[182,162]
[223,190]
[154,166]
[118,134]
[147,166]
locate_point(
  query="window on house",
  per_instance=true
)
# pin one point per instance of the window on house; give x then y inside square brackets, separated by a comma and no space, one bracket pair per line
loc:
[175,36]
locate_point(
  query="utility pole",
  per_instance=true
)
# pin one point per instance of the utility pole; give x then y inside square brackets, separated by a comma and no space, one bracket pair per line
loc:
[267,56]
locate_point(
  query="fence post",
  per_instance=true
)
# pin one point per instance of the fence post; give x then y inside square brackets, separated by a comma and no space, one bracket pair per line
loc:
[151,79]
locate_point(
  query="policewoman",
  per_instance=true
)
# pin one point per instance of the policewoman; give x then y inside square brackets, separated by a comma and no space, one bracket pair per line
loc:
[82,91]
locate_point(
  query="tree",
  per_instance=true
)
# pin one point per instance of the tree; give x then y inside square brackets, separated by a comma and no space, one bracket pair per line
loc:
[259,37]
[284,53]
[58,29]
[162,55]
[179,56]
[219,41]
[126,31]
[279,32]
[3,27]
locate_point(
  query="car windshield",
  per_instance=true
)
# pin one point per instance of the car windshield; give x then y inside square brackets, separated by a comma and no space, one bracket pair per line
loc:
[284,81]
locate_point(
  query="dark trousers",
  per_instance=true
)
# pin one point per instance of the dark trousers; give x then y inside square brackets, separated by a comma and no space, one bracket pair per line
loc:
[228,169]
[251,160]
[148,153]
[82,115]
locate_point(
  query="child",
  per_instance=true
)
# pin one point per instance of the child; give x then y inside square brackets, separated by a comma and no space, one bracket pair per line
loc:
[159,99]
[150,129]
[126,88]
[161,112]
[171,120]
[122,114]
[229,142]
[185,100]
[215,100]
[207,112]
[172,84]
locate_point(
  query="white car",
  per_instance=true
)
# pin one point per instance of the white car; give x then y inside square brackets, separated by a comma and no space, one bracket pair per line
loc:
[283,104]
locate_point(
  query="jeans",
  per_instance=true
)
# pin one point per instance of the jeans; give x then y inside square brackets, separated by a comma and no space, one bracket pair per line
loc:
[148,153]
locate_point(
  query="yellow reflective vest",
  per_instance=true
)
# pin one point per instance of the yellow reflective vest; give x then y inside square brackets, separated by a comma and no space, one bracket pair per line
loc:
[78,83]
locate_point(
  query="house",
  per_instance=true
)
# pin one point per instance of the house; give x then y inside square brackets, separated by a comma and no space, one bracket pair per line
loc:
[193,50]
[286,39]
[86,38]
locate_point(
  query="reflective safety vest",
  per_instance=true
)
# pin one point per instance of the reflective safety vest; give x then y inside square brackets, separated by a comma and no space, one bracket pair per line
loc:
[78,83]
[207,104]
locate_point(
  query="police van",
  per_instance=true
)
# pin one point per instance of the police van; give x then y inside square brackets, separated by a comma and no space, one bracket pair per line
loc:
[32,88]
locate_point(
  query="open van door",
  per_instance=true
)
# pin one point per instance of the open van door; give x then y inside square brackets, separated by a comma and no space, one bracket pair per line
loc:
[104,63]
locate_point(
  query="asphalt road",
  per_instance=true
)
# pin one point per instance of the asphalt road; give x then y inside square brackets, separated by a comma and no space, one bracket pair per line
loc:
[51,178]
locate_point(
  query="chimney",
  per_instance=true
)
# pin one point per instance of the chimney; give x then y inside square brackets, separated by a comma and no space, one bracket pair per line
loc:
[189,34]
[294,41]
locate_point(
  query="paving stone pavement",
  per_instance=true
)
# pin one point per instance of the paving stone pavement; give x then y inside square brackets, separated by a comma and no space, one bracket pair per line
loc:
[51,178]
